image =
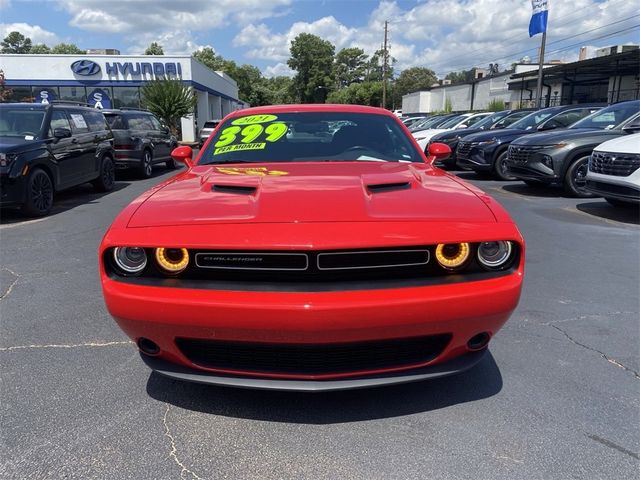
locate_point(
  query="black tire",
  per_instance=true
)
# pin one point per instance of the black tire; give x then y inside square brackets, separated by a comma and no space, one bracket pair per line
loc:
[39,194]
[145,169]
[500,169]
[107,179]
[575,178]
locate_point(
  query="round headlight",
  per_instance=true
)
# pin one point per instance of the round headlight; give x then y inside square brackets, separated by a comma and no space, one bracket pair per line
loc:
[452,255]
[172,260]
[494,254]
[130,259]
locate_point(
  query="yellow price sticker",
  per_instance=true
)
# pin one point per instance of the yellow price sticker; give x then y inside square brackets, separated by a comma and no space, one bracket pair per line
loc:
[251,119]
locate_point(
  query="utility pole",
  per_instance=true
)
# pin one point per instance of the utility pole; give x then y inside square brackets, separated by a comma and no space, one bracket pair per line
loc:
[541,62]
[385,59]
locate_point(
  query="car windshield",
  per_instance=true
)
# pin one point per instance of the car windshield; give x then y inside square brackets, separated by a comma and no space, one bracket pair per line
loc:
[21,122]
[507,120]
[532,120]
[489,120]
[309,137]
[452,122]
[609,117]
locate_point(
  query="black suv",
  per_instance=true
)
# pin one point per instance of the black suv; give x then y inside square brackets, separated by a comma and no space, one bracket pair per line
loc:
[51,147]
[140,140]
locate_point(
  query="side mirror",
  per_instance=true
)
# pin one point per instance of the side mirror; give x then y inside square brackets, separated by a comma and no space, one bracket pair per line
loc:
[183,154]
[462,125]
[438,151]
[61,133]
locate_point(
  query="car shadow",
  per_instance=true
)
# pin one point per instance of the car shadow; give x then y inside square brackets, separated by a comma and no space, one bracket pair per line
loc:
[482,381]
[547,191]
[63,201]
[470,175]
[601,208]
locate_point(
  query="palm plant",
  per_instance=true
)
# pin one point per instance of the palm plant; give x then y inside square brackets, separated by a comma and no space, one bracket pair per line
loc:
[169,100]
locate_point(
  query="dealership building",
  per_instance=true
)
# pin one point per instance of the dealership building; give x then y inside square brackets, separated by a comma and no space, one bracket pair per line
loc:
[114,81]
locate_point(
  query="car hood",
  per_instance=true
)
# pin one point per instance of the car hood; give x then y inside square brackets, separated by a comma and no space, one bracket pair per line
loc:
[310,192]
[502,135]
[625,144]
[580,135]
[17,144]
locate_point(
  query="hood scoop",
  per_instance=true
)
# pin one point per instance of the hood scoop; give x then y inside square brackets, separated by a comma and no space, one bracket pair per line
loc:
[238,189]
[388,187]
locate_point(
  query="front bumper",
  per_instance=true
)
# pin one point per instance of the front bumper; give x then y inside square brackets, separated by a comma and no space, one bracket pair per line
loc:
[477,159]
[626,189]
[165,314]
[545,166]
[12,190]
[452,367]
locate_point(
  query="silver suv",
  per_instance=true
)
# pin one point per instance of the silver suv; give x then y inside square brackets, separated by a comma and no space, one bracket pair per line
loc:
[209,126]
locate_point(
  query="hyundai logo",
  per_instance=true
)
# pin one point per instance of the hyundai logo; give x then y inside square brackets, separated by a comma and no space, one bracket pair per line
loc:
[85,68]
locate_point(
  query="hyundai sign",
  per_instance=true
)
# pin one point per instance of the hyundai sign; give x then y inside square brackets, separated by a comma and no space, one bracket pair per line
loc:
[85,68]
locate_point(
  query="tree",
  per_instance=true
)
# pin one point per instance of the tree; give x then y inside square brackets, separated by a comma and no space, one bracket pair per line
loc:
[169,100]
[40,48]
[15,42]
[412,80]
[366,93]
[5,92]
[280,90]
[374,70]
[312,59]
[68,49]
[215,62]
[350,66]
[460,77]
[154,49]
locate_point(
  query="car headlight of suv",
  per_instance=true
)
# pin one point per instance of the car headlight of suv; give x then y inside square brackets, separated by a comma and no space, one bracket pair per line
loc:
[6,159]
[487,142]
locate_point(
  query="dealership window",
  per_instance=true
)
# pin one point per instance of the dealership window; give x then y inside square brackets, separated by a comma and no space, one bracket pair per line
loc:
[126,97]
[19,94]
[45,94]
[77,94]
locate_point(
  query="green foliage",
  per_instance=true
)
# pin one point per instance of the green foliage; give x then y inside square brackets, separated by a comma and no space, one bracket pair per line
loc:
[154,49]
[5,92]
[349,66]
[412,80]
[15,42]
[365,93]
[68,49]
[448,105]
[280,90]
[40,48]
[496,105]
[169,100]
[460,77]
[312,59]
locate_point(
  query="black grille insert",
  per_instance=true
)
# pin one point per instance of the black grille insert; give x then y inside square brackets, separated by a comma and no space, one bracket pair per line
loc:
[463,150]
[616,164]
[252,261]
[372,259]
[312,358]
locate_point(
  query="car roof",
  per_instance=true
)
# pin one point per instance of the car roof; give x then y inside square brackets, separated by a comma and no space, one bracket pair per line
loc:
[306,108]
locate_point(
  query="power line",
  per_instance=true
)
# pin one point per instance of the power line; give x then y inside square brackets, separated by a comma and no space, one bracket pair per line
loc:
[533,49]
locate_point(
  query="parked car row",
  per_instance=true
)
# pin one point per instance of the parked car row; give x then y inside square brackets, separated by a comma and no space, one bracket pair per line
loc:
[46,148]
[552,146]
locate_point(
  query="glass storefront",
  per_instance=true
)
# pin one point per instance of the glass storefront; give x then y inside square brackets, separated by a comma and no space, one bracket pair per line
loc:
[126,97]
[76,94]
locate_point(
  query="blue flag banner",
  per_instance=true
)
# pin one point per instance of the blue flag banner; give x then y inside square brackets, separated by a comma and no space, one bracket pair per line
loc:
[538,22]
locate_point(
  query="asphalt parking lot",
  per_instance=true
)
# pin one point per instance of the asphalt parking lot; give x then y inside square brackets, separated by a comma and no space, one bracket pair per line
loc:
[557,398]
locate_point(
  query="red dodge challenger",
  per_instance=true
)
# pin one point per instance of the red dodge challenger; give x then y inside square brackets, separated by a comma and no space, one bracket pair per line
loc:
[311,247]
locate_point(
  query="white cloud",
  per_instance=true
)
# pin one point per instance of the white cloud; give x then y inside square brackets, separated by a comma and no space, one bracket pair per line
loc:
[278,70]
[448,35]
[176,42]
[36,33]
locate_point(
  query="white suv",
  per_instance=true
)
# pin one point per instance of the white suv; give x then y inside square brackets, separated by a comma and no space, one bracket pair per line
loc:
[614,170]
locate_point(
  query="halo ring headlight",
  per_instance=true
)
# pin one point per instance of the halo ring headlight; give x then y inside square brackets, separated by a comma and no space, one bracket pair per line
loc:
[494,254]
[452,255]
[130,260]
[172,260]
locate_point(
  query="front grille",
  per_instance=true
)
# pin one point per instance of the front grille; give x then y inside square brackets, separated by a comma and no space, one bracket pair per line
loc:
[314,359]
[463,150]
[616,164]
[520,154]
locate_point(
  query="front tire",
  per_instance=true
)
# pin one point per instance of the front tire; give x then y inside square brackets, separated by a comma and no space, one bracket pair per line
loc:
[107,179]
[39,195]
[501,169]
[145,170]
[575,178]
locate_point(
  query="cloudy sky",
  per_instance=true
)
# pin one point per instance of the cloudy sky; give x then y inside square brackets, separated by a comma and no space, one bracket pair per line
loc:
[444,35]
